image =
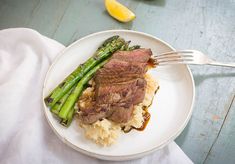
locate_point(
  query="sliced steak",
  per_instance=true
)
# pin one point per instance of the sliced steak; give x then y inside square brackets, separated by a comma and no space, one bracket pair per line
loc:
[139,94]
[121,113]
[115,66]
[119,85]
[120,92]
[94,113]
[115,78]
[139,55]
[89,118]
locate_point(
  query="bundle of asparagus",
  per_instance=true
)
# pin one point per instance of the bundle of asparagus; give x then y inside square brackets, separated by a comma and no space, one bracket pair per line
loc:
[62,99]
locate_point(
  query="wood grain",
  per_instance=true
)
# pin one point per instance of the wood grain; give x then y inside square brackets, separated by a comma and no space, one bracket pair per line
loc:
[224,141]
[53,12]
[208,26]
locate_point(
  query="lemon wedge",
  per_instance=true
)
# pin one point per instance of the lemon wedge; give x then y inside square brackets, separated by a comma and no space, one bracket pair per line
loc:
[119,11]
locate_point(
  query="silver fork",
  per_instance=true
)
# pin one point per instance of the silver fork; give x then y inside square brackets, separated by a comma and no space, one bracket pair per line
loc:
[187,57]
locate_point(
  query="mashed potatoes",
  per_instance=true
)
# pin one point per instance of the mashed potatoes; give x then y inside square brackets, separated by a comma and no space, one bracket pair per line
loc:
[106,132]
[103,132]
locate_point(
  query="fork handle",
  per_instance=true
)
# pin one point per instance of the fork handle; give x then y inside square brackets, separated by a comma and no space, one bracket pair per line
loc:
[222,64]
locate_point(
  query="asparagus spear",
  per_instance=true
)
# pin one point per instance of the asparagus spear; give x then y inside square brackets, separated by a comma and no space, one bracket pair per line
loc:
[105,50]
[56,108]
[67,122]
[125,46]
[69,104]
[107,41]
[133,47]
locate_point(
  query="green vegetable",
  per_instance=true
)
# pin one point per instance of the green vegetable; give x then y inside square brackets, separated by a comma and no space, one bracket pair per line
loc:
[67,122]
[133,47]
[125,46]
[105,50]
[56,108]
[109,40]
[69,104]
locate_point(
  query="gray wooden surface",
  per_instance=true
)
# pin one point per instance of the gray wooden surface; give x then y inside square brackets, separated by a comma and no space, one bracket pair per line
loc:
[206,25]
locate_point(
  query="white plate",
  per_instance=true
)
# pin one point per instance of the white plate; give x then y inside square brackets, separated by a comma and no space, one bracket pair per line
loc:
[170,111]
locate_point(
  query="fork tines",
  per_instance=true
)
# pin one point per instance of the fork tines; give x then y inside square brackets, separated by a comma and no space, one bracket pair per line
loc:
[173,57]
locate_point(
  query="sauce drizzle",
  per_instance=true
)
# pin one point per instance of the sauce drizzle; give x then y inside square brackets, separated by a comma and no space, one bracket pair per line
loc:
[151,63]
[146,120]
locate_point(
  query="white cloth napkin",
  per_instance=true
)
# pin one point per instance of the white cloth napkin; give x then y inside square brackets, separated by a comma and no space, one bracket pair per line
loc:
[25,136]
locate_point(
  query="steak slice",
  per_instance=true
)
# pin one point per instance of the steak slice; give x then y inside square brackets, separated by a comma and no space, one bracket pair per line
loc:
[121,113]
[141,55]
[95,113]
[139,94]
[113,79]
[116,66]
[120,92]
[91,117]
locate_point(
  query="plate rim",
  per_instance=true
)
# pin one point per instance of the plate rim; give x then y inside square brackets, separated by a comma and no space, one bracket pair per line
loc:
[121,157]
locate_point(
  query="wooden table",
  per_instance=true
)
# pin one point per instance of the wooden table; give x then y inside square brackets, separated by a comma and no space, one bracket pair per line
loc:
[206,25]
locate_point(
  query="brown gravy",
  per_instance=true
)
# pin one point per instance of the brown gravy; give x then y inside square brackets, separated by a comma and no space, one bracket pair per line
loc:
[151,64]
[145,123]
